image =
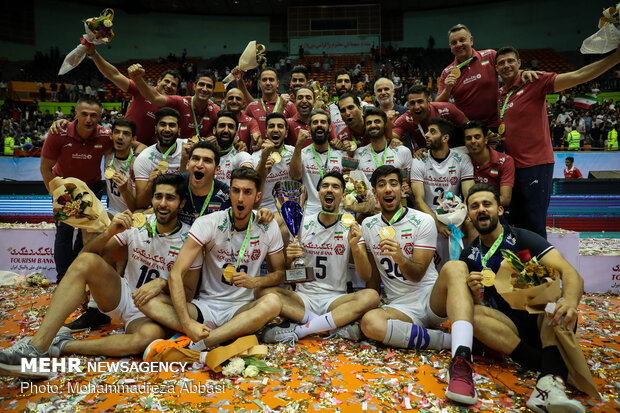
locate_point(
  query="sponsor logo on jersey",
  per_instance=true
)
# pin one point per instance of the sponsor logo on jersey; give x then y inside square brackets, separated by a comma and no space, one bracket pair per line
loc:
[443,111]
[454,180]
[255,254]
[408,248]
[339,249]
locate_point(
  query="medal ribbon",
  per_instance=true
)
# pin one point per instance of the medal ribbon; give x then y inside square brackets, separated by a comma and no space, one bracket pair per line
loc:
[126,167]
[491,250]
[374,155]
[501,112]
[198,128]
[165,155]
[318,161]
[246,240]
[396,216]
[153,229]
[275,108]
[206,201]
[460,65]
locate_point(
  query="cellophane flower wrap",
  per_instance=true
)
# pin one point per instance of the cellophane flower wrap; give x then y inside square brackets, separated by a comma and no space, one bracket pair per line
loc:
[98,31]
[357,195]
[76,205]
[252,56]
[607,37]
[452,212]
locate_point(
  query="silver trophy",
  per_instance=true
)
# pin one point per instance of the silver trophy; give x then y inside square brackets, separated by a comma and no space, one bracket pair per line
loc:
[289,197]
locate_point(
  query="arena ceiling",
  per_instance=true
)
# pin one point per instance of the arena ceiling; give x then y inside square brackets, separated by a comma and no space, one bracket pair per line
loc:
[261,7]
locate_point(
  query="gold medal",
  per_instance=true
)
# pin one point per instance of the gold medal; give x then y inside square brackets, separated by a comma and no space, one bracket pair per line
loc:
[229,270]
[139,220]
[501,128]
[456,72]
[353,146]
[387,233]
[194,139]
[276,157]
[162,166]
[109,173]
[347,220]
[488,277]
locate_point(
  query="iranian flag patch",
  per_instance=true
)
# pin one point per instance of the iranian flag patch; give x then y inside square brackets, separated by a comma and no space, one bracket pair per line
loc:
[493,172]
[98,146]
[174,251]
[485,62]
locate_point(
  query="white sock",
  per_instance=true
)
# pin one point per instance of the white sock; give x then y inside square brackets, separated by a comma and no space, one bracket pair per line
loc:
[308,315]
[407,335]
[320,323]
[447,341]
[92,303]
[462,335]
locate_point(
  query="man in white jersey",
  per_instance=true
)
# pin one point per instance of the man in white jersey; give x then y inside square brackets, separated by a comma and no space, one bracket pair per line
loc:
[311,163]
[151,249]
[326,245]
[401,242]
[225,307]
[164,156]
[378,151]
[230,158]
[118,165]
[442,170]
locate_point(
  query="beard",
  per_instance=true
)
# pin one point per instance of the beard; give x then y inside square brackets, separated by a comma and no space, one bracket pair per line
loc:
[493,221]
[321,138]
[224,140]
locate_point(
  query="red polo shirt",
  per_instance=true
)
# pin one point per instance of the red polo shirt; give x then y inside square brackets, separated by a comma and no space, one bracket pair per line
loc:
[142,112]
[499,171]
[255,110]
[76,157]
[247,127]
[474,91]
[527,137]
[295,125]
[206,119]
[408,123]
[347,134]
[574,173]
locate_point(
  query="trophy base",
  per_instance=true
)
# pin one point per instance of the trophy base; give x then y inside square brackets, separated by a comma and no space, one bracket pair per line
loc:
[299,275]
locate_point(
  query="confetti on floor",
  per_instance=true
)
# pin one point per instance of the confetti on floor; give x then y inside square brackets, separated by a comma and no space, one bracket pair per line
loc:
[318,375]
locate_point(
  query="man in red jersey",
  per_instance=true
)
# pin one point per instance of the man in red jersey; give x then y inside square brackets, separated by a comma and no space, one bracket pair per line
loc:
[524,124]
[198,113]
[140,110]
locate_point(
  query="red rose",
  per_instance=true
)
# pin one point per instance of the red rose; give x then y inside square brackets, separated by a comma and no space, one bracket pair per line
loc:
[524,255]
[64,199]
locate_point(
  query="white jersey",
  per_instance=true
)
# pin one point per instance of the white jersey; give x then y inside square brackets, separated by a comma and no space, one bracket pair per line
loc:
[151,156]
[327,250]
[310,174]
[441,177]
[116,203]
[414,229]
[213,231]
[232,160]
[279,172]
[151,257]
[338,124]
[399,157]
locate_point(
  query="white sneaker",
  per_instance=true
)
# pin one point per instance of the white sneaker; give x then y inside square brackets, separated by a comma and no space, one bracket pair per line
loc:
[549,396]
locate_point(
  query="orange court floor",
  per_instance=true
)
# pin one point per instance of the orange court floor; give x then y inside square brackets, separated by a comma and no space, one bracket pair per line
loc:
[318,375]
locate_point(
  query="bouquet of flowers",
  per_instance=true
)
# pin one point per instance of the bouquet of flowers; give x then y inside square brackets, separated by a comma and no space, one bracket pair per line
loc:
[608,35]
[528,285]
[32,280]
[530,274]
[241,358]
[358,197]
[452,212]
[98,31]
[76,205]
[252,56]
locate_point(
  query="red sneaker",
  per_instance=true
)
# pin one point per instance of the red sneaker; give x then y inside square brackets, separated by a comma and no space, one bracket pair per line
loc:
[461,387]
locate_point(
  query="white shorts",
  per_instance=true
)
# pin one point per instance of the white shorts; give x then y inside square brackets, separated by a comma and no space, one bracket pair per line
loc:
[318,303]
[417,306]
[126,311]
[216,312]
